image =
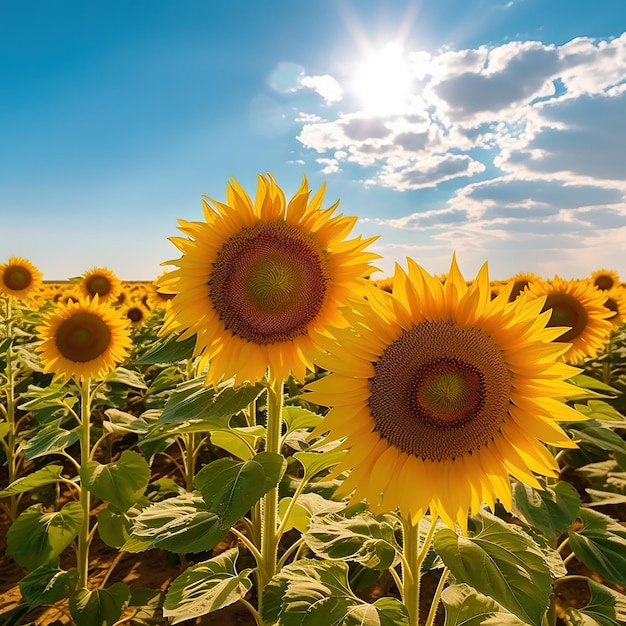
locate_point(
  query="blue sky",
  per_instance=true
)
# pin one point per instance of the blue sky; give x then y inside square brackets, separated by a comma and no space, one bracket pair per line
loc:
[493,128]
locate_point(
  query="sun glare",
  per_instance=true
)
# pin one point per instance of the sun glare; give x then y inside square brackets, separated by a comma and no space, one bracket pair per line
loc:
[382,81]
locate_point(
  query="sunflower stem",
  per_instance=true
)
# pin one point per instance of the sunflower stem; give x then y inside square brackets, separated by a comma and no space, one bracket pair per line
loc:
[10,416]
[432,613]
[269,504]
[82,556]
[411,571]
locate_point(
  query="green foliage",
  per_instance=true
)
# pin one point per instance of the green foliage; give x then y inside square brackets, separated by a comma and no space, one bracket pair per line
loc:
[38,537]
[500,562]
[99,606]
[120,483]
[606,607]
[47,584]
[600,543]
[313,593]
[205,587]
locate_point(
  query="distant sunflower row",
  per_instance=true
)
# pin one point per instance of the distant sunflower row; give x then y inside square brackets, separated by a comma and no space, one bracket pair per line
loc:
[20,279]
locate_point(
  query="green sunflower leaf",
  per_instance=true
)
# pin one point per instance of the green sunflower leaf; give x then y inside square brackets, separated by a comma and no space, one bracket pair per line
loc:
[501,562]
[354,535]
[44,476]
[36,537]
[205,587]
[307,505]
[600,543]
[297,418]
[317,462]
[311,593]
[600,410]
[240,442]
[467,607]
[121,483]
[606,607]
[127,377]
[51,439]
[596,434]
[99,606]
[180,524]
[550,510]
[230,488]
[48,584]
[167,350]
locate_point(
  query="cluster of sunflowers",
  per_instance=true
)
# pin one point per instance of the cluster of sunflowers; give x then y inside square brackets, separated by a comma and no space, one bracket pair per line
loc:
[436,390]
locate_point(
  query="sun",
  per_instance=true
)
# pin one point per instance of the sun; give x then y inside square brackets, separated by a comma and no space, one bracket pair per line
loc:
[382,81]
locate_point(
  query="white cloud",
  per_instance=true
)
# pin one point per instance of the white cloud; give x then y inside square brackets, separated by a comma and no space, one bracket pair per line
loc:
[325,85]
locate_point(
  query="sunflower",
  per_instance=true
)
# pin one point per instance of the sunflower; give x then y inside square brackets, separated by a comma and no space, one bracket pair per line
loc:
[439,393]
[136,312]
[102,282]
[605,279]
[579,305]
[616,303]
[520,282]
[258,279]
[83,339]
[20,278]
[155,298]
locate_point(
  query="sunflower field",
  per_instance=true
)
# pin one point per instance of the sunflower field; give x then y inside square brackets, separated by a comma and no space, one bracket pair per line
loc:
[269,435]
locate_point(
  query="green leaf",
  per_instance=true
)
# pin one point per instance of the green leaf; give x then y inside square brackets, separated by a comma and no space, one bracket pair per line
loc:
[230,488]
[550,510]
[206,587]
[123,422]
[165,380]
[316,593]
[296,418]
[180,524]
[121,483]
[605,481]
[55,394]
[127,377]
[316,462]
[501,562]
[588,382]
[148,607]
[240,442]
[51,439]
[600,410]
[99,606]
[168,350]
[48,584]
[606,607]
[113,527]
[354,535]
[596,434]
[601,545]
[467,607]
[45,476]
[308,504]
[193,400]
[36,537]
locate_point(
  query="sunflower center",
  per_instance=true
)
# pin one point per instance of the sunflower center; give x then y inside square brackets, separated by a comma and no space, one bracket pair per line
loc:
[604,282]
[447,393]
[440,391]
[134,314]
[566,311]
[611,305]
[17,278]
[98,285]
[83,337]
[269,282]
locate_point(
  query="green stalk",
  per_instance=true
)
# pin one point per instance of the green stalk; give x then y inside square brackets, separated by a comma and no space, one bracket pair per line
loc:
[411,572]
[269,502]
[414,554]
[82,553]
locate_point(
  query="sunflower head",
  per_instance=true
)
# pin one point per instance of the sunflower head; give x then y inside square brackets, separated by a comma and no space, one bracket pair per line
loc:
[578,307]
[101,282]
[439,393]
[136,312]
[259,279]
[616,303]
[605,279]
[83,339]
[520,283]
[20,279]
